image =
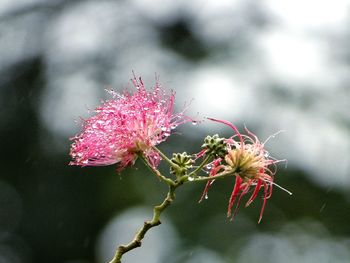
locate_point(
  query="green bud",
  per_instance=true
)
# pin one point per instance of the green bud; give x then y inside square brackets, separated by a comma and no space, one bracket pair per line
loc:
[183,161]
[215,145]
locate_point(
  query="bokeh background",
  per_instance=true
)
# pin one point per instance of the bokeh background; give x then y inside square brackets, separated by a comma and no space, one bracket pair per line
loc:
[270,64]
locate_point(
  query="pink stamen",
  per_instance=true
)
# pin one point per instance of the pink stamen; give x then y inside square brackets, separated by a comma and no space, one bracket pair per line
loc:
[125,126]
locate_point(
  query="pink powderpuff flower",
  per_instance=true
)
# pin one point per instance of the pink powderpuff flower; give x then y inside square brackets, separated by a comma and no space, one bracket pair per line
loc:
[252,166]
[125,126]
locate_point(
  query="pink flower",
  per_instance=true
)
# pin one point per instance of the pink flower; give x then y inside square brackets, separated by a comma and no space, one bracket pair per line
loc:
[252,166]
[125,126]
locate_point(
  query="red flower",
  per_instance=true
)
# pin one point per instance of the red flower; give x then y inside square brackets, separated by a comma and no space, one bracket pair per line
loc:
[251,164]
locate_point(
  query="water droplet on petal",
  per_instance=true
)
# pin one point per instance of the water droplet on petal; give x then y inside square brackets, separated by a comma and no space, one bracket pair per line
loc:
[206,196]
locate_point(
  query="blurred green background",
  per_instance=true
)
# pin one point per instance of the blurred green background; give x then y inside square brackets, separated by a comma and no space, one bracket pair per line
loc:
[272,65]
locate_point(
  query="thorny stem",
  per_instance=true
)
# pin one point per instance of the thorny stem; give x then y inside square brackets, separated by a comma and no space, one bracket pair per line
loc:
[157,210]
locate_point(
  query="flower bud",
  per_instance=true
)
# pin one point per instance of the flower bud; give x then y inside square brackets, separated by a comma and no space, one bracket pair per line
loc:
[183,161]
[215,145]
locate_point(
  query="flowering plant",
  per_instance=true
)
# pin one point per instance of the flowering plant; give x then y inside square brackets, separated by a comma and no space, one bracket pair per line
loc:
[131,125]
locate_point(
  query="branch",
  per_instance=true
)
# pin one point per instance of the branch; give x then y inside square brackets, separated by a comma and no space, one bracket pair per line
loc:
[137,241]
[157,210]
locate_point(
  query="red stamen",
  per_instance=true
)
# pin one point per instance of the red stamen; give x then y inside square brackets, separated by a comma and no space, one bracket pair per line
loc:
[213,172]
[235,192]
[255,193]
[245,190]
[264,201]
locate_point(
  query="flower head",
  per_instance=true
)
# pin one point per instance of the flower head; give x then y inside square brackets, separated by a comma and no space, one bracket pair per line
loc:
[251,164]
[125,126]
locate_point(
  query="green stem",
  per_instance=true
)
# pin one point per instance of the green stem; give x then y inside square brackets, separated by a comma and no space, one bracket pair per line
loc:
[156,171]
[221,175]
[165,158]
[199,168]
[157,210]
